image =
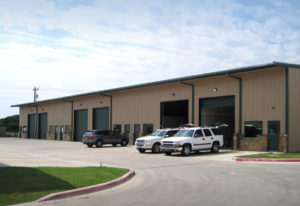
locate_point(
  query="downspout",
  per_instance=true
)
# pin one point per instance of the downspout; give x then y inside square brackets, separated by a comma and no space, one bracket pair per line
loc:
[287,106]
[193,98]
[240,107]
[72,119]
[110,110]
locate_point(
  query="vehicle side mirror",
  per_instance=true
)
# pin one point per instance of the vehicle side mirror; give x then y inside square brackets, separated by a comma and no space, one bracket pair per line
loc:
[167,136]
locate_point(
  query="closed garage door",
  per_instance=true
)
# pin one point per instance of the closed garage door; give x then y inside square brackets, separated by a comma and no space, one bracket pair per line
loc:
[31,126]
[43,122]
[101,118]
[80,124]
[219,110]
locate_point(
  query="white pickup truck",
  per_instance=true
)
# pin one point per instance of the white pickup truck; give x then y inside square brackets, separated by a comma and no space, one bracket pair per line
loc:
[193,139]
[152,141]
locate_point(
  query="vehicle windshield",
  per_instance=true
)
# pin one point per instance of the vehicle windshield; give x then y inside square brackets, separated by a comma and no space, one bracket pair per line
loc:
[185,133]
[159,133]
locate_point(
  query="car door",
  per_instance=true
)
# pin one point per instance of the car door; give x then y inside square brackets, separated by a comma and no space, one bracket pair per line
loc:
[198,139]
[208,138]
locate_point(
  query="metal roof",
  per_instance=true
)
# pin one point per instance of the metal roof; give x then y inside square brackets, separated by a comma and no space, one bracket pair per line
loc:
[185,78]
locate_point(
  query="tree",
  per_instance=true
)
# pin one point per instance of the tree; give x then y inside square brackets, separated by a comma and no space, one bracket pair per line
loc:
[11,123]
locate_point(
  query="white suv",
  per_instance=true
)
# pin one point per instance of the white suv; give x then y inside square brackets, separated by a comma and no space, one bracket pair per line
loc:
[152,141]
[193,139]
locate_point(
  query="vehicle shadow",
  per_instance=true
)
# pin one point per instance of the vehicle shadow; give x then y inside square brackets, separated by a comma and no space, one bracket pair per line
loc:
[203,153]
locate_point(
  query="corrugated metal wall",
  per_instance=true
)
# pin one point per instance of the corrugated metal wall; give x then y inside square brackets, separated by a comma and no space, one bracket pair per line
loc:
[264,97]
[294,107]
[90,102]
[142,105]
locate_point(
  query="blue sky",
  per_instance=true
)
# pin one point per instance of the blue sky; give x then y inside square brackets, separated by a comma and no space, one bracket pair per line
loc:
[68,47]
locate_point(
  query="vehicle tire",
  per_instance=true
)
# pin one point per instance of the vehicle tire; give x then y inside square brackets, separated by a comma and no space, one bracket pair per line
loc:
[99,143]
[124,143]
[114,145]
[186,150]
[168,153]
[142,150]
[155,148]
[215,147]
[89,145]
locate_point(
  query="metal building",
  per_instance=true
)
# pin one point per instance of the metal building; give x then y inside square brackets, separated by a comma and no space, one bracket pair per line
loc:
[259,103]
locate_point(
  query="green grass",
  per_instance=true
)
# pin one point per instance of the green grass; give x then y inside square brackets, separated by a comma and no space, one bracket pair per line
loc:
[274,155]
[24,184]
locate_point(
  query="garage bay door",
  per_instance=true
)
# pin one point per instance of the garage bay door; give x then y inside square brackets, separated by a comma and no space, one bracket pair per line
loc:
[80,124]
[101,118]
[43,122]
[31,126]
[219,110]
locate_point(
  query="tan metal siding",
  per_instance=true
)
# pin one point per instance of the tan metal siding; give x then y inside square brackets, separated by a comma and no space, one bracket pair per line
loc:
[263,90]
[226,86]
[59,113]
[294,110]
[90,102]
[142,105]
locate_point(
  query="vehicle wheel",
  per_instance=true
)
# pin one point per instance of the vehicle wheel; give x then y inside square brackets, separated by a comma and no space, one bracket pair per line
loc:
[168,153]
[186,150]
[89,145]
[114,145]
[155,148]
[215,147]
[99,143]
[142,150]
[124,142]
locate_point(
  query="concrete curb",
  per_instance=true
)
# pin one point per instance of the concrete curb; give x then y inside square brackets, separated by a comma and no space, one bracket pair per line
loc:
[241,159]
[89,189]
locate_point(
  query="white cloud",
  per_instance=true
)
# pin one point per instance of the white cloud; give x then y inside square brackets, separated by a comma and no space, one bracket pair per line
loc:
[67,49]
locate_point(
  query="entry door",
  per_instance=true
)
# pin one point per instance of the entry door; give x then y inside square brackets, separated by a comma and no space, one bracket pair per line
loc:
[273,135]
[62,132]
[55,132]
[136,133]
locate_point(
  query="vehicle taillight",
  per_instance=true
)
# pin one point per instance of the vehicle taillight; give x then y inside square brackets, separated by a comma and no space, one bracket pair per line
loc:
[91,137]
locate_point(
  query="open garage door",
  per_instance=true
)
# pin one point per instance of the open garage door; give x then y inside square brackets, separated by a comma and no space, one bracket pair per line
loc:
[31,126]
[101,118]
[219,110]
[174,113]
[43,125]
[80,124]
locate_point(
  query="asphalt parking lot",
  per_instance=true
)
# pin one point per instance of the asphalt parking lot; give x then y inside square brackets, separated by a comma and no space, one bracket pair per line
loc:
[204,178]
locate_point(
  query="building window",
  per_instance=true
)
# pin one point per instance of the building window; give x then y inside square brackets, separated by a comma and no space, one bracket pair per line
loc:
[253,129]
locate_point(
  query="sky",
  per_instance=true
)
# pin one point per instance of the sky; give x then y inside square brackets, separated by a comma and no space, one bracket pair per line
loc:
[68,47]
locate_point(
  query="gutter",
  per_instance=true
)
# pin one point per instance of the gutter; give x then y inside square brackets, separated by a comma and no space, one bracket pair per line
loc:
[110,110]
[240,107]
[193,98]
[72,118]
